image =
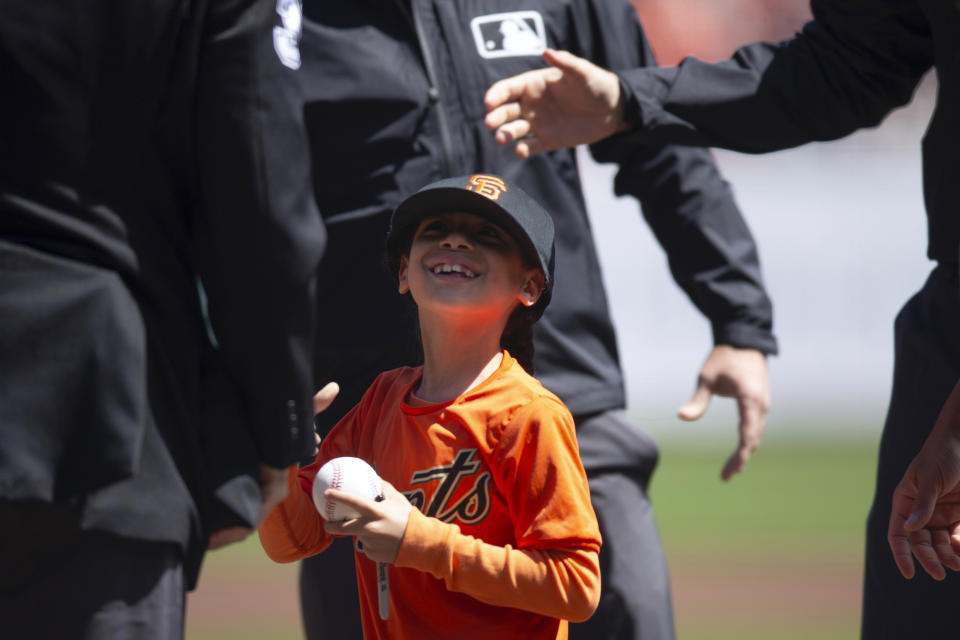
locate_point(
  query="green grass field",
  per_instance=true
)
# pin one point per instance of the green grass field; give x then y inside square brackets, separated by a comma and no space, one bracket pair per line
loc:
[775,554]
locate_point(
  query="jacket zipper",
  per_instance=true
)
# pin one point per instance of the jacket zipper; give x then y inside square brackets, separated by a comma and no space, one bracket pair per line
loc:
[409,9]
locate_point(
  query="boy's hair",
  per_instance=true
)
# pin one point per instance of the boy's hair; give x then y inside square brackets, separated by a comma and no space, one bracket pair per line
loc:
[508,207]
[517,336]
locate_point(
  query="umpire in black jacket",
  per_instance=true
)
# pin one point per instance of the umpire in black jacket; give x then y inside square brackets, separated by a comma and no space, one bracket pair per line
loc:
[856,61]
[144,148]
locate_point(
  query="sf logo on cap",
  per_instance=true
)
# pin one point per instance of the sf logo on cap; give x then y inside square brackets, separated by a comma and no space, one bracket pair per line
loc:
[489,186]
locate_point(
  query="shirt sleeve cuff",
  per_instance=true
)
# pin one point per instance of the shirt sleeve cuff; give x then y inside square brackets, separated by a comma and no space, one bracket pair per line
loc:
[424,544]
[746,336]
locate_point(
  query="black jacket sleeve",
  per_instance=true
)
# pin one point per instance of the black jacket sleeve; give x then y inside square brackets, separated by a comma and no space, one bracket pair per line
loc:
[687,204]
[849,67]
[259,237]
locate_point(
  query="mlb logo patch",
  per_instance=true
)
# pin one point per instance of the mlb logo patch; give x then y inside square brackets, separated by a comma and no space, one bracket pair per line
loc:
[286,38]
[511,34]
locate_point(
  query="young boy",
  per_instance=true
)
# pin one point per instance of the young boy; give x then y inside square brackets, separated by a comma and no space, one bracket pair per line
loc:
[485,523]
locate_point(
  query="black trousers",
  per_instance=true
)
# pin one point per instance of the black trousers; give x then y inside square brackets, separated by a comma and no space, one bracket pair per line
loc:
[58,582]
[926,368]
[635,600]
[635,589]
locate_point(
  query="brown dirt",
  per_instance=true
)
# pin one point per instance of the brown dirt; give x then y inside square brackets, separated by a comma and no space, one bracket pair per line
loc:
[740,594]
[244,596]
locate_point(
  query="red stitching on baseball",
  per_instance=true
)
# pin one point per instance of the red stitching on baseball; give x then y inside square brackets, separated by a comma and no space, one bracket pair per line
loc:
[336,484]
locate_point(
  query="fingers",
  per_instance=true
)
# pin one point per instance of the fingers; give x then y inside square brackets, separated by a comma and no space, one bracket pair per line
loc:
[943,546]
[555,58]
[506,116]
[921,543]
[380,526]
[900,547]
[936,550]
[752,423]
[697,406]
[502,114]
[738,459]
[368,509]
[735,463]
[512,91]
[515,88]
[901,505]
[513,130]
[324,398]
[504,91]
[936,547]
[567,62]
[365,507]
[529,146]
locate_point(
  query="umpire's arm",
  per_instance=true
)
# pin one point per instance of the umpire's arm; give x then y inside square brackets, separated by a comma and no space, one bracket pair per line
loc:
[259,237]
[848,68]
[710,249]
[686,203]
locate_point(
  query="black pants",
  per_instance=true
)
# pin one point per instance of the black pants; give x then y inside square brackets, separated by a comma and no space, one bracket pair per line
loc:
[635,598]
[635,603]
[926,367]
[635,589]
[58,582]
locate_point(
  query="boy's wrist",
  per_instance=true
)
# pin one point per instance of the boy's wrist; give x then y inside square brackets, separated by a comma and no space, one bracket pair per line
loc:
[423,543]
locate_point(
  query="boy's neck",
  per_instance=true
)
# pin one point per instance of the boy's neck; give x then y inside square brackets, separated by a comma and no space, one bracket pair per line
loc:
[456,359]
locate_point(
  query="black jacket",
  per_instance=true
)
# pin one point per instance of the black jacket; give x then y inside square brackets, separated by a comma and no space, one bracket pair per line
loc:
[848,68]
[144,146]
[395,100]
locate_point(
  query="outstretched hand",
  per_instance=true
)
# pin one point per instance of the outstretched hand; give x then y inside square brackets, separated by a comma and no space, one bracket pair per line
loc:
[734,373]
[273,482]
[571,102]
[379,529]
[321,402]
[925,516]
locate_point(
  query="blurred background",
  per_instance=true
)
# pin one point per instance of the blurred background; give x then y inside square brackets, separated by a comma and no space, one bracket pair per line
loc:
[776,553]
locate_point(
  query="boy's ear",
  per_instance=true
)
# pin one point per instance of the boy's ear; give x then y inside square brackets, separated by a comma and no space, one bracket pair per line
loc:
[532,288]
[402,270]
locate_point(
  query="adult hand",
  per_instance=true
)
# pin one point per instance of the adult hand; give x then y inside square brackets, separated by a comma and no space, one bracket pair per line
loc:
[741,374]
[571,102]
[379,529]
[321,402]
[273,489]
[273,481]
[325,397]
[925,515]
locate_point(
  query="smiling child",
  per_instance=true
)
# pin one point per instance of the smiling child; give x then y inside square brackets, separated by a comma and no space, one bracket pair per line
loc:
[485,526]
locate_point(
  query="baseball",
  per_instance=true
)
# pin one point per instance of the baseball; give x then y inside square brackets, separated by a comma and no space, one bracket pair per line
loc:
[351,475]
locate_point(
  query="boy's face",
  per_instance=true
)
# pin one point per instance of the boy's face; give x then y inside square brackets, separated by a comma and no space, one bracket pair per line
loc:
[463,261]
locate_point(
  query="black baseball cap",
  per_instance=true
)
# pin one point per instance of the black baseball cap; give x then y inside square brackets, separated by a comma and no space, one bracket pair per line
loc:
[486,195]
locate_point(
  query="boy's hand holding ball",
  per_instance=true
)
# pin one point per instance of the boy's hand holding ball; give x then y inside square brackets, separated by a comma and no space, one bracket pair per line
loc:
[355,501]
[347,475]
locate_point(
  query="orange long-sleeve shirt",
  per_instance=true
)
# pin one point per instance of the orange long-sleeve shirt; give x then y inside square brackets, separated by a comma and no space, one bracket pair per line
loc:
[503,542]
